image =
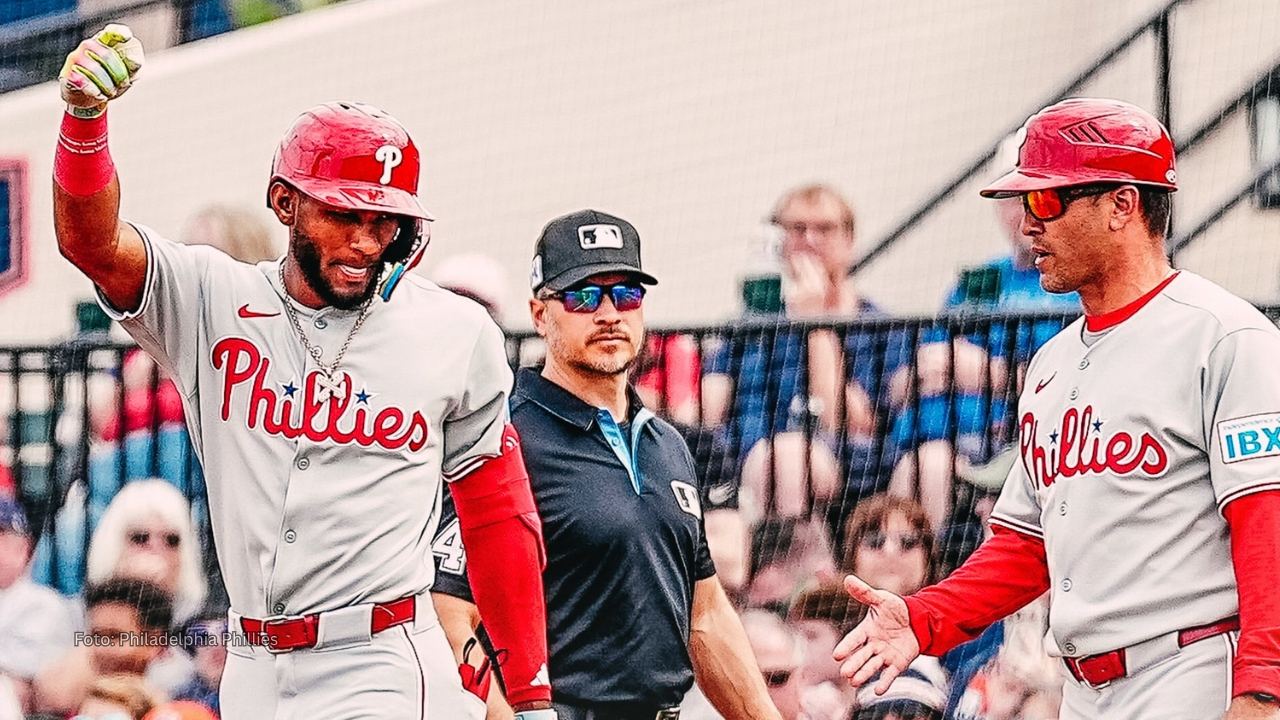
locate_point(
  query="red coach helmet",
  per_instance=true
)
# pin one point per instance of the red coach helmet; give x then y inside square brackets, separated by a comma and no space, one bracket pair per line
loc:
[1089,140]
[354,156]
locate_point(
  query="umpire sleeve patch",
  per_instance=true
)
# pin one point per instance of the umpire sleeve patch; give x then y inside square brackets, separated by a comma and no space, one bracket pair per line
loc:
[1246,438]
[687,498]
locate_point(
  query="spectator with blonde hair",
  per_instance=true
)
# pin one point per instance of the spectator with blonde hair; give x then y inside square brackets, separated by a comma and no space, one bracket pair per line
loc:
[146,437]
[235,231]
[147,533]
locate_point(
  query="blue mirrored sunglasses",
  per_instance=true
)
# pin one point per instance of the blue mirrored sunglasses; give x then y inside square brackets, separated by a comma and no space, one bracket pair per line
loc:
[587,298]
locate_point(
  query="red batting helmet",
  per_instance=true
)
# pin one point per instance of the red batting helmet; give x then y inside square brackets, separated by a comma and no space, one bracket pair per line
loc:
[1082,141]
[353,156]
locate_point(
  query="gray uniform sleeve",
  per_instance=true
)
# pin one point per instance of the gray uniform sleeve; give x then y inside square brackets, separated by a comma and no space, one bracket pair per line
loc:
[450,555]
[166,321]
[473,429]
[1242,414]
[1018,507]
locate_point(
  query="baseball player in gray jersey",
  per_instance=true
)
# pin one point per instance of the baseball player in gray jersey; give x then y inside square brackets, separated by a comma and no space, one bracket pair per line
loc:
[327,396]
[1146,499]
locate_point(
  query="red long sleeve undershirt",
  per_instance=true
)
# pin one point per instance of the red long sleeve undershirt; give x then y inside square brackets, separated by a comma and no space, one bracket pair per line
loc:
[1010,570]
[506,556]
[1003,574]
[1255,552]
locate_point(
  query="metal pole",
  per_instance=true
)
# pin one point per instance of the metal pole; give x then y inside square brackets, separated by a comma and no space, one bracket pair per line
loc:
[1164,83]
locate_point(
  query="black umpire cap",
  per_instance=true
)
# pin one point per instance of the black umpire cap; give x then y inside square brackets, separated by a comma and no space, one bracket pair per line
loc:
[576,246]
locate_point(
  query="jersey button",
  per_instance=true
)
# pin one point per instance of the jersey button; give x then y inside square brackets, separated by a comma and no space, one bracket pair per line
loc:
[290,536]
[322,324]
[278,608]
[303,463]
[1062,509]
[1075,393]
[1084,363]
[1066,585]
[1070,648]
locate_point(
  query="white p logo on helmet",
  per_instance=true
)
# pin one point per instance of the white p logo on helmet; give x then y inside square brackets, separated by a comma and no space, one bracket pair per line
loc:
[390,157]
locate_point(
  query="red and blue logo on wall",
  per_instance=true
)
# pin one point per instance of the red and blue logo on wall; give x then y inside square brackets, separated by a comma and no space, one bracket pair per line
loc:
[13,223]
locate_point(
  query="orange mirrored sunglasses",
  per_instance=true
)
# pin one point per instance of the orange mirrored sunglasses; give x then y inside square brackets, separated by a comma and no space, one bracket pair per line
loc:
[1044,204]
[1051,203]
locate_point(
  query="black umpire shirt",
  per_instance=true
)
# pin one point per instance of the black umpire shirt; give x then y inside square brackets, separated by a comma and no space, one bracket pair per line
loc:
[622,521]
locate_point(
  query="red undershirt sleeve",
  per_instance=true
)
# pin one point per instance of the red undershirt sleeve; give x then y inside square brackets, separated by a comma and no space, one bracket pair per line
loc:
[1255,552]
[1005,573]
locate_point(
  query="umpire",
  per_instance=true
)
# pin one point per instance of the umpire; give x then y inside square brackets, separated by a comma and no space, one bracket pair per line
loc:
[634,609]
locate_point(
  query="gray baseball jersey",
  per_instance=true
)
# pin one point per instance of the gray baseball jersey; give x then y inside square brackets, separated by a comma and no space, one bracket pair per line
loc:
[321,503]
[1131,441]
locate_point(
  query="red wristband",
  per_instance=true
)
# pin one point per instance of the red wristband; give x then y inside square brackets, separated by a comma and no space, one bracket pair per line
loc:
[82,163]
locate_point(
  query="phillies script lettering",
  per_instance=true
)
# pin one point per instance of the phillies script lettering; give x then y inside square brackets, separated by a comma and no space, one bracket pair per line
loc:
[1079,447]
[243,363]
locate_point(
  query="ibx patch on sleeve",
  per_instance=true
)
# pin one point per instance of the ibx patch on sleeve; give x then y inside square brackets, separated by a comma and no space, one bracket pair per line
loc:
[1250,437]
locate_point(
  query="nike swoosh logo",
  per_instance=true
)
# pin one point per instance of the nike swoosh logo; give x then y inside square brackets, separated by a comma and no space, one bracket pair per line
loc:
[1041,385]
[719,494]
[245,312]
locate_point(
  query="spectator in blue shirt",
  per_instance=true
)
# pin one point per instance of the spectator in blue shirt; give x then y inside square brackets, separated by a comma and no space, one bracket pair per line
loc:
[772,387]
[973,371]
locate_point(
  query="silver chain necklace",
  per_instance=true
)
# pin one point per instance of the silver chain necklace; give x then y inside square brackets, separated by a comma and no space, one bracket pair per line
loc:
[326,385]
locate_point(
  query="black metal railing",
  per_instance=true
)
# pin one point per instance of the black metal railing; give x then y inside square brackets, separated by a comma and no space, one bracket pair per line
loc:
[1158,24]
[88,417]
[1247,189]
[32,51]
[1267,84]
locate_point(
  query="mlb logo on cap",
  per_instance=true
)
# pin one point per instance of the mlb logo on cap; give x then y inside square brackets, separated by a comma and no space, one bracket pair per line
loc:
[591,237]
[576,246]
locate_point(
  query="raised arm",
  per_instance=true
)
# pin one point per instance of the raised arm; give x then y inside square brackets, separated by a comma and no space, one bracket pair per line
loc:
[86,191]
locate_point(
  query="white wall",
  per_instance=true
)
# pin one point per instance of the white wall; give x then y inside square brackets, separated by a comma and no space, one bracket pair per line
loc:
[687,118]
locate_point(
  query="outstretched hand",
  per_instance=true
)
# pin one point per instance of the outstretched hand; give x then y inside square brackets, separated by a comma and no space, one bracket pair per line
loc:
[882,643]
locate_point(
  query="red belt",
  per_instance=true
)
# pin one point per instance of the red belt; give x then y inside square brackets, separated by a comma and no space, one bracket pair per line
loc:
[1099,670]
[296,633]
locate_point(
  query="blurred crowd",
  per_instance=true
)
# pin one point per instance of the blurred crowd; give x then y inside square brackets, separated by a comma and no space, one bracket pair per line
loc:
[832,438]
[875,447]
